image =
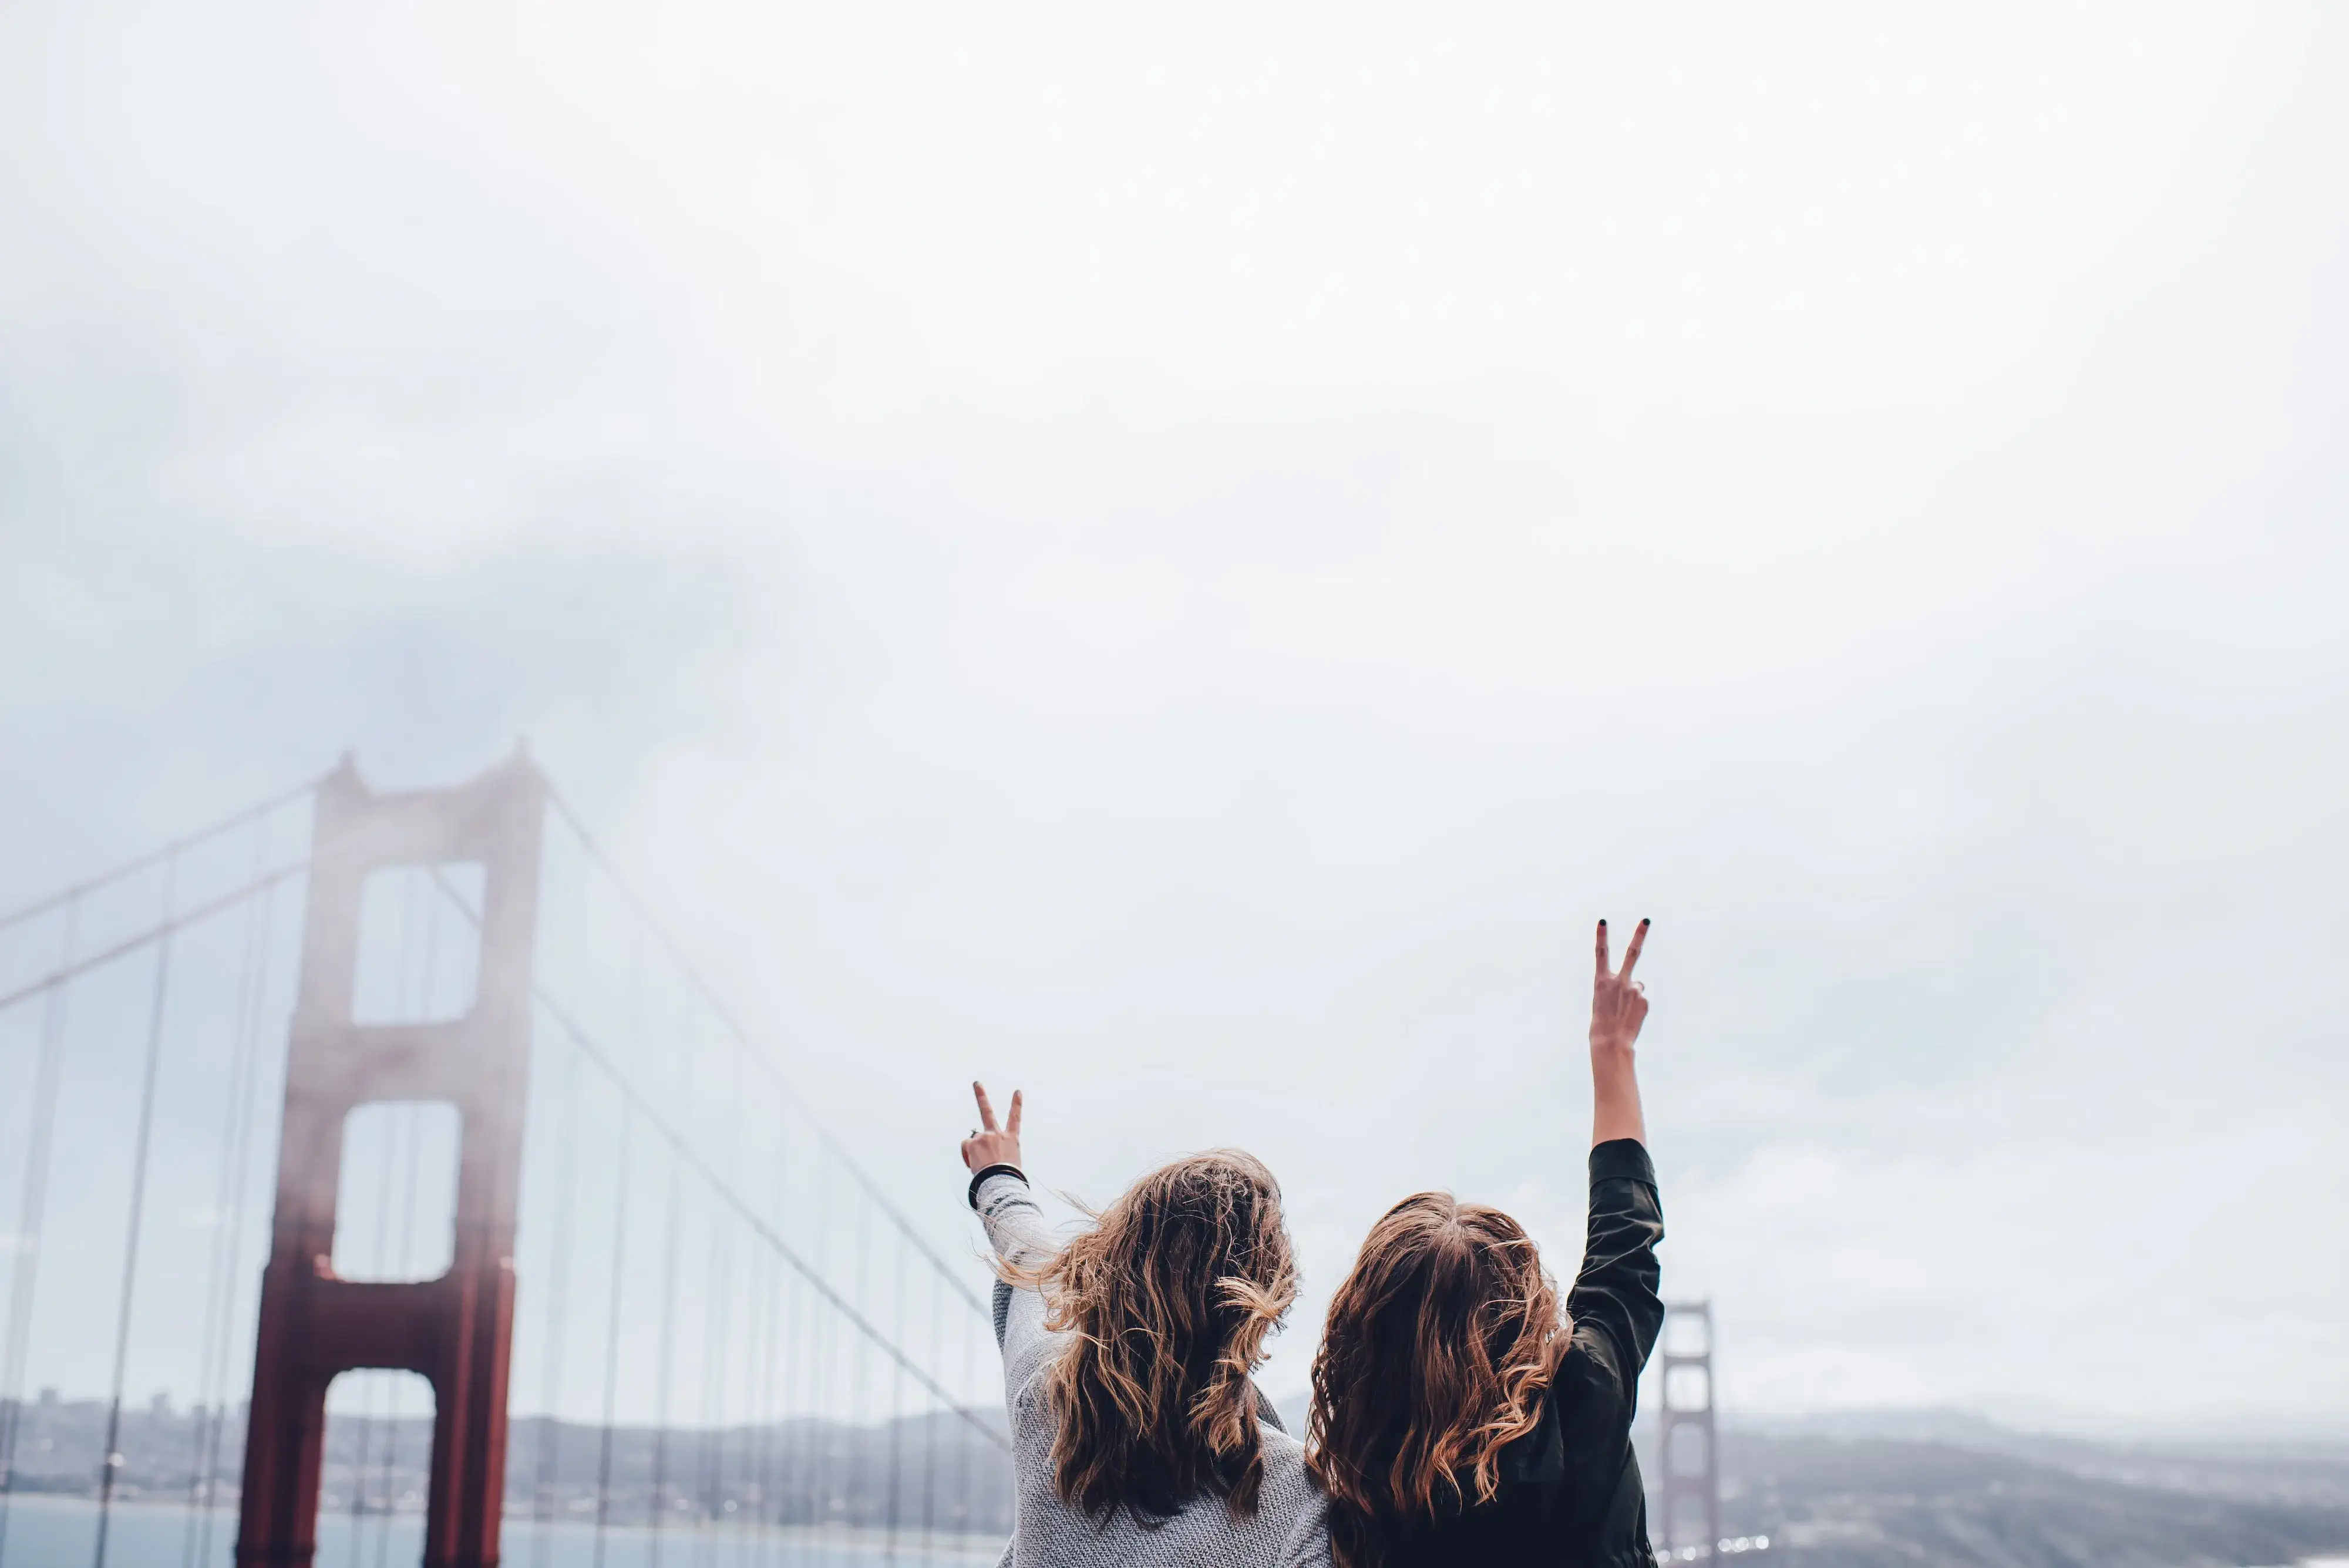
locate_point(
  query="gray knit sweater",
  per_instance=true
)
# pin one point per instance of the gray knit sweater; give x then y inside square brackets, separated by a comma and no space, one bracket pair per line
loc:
[1286,1530]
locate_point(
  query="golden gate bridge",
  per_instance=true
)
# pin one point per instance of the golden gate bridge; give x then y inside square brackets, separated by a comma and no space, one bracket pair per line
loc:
[373,1117]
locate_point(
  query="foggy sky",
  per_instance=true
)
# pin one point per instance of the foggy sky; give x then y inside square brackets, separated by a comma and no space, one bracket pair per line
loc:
[1178,561]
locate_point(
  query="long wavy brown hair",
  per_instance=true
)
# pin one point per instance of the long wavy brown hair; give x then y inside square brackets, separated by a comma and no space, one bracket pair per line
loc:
[1168,1299]
[1439,1346]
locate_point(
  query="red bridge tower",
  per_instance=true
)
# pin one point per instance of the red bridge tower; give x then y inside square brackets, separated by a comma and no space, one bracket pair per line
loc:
[456,1331]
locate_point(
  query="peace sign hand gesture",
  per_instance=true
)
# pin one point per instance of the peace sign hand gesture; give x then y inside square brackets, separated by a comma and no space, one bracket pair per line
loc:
[1619,1004]
[992,1145]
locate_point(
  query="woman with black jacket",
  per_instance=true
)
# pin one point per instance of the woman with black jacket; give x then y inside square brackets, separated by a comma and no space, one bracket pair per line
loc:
[1458,1416]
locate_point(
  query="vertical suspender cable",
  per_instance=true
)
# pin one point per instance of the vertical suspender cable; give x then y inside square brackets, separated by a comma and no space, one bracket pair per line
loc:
[964,1523]
[861,1400]
[782,1487]
[759,1327]
[767,1285]
[612,1329]
[778,1452]
[47,1078]
[807,1474]
[248,1116]
[550,1382]
[930,1427]
[778,1375]
[109,1462]
[754,1408]
[668,1318]
[896,1394]
[550,1438]
[710,1353]
[220,1283]
[809,1479]
[720,1333]
[718,1359]
[819,1466]
[713,1353]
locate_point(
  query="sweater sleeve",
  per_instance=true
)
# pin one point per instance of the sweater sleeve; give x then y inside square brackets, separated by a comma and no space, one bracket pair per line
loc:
[1016,1230]
[1615,1306]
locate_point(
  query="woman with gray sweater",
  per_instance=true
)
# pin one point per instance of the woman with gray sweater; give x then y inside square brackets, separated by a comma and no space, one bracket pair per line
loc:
[1138,1436]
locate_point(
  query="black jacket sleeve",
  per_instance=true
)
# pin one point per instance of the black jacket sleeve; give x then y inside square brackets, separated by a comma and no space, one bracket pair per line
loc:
[1614,1305]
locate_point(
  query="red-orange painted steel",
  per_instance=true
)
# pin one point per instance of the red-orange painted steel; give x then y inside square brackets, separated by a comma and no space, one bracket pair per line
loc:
[456,1331]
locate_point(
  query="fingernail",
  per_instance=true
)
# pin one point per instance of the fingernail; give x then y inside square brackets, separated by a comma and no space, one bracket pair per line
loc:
[1602,925]
[1644,919]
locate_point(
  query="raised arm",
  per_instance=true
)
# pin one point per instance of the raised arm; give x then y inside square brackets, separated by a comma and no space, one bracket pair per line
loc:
[1619,1005]
[1614,1304]
[1016,1230]
[999,1183]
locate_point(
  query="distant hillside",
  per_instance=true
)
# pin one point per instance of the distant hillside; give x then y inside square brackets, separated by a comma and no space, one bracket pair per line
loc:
[796,1472]
[1930,1490]
[1876,1502]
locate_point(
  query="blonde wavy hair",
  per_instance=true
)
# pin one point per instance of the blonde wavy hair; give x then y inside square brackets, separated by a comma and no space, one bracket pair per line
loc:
[1168,1299]
[1439,1348]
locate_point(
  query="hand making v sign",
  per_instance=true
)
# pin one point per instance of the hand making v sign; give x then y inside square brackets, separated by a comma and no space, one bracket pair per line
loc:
[1619,1005]
[988,1144]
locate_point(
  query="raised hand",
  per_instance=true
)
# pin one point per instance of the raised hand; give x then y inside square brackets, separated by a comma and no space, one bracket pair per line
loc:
[988,1144]
[1619,1004]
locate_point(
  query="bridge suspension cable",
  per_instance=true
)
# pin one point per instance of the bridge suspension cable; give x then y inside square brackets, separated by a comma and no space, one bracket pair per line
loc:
[750,1043]
[77,957]
[172,849]
[792,1357]
[162,930]
[109,1462]
[229,1202]
[24,1274]
[688,1158]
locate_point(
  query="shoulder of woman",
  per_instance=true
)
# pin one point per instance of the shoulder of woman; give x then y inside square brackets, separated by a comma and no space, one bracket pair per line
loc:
[1582,1368]
[1276,1442]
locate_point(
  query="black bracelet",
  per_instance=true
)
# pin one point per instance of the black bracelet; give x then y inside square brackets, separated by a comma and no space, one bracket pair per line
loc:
[987,1171]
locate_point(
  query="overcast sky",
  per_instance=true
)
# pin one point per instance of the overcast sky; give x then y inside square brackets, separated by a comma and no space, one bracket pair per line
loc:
[1178,561]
